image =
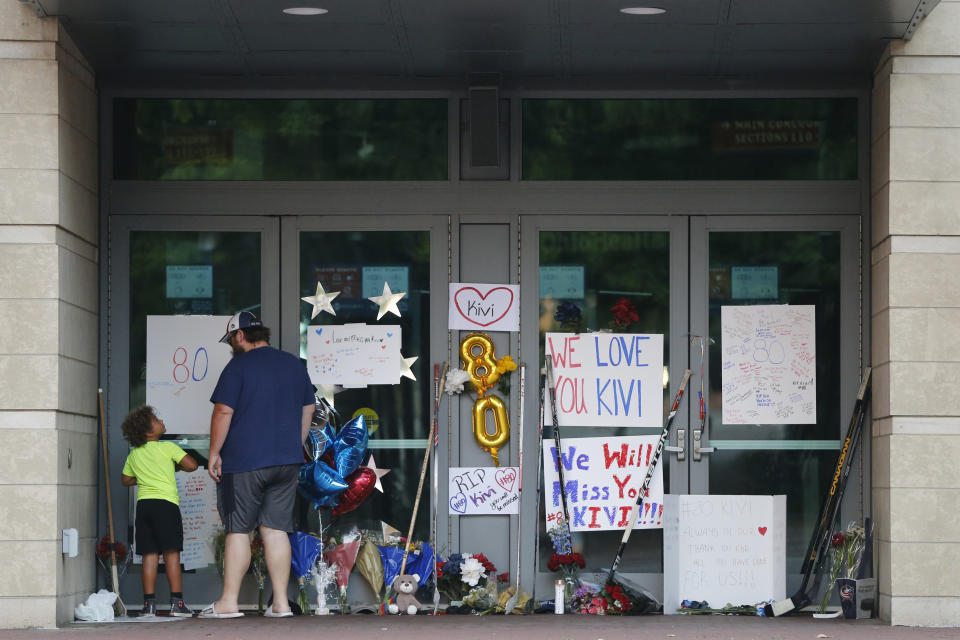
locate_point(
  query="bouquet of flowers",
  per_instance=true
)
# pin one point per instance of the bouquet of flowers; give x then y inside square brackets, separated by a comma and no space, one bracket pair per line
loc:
[461,573]
[610,599]
[123,554]
[569,316]
[846,550]
[564,559]
[624,314]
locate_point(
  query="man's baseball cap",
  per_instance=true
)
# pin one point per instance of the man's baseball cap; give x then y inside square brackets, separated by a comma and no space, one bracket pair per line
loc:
[240,320]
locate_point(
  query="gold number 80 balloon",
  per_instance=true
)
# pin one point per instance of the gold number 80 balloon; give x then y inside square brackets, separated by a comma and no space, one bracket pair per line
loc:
[478,355]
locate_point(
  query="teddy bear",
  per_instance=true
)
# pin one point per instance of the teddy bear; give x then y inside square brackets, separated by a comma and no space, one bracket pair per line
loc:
[406,585]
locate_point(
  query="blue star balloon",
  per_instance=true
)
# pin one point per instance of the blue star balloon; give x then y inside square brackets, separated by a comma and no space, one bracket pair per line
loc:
[320,440]
[320,484]
[350,446]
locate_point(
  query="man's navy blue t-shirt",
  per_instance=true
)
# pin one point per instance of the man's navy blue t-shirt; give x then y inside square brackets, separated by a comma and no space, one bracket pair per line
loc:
[267,390]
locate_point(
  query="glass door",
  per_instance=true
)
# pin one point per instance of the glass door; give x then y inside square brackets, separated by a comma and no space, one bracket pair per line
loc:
[588,270]
[356,255]
[170,266]
[769,261]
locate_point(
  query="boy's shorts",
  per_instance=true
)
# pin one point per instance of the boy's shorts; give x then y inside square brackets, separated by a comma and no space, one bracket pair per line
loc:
[159,526]
[248,499]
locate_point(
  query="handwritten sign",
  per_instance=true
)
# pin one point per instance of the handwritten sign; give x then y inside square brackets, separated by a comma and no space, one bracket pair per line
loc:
[769,364]
[491,307]
[607,379]
[354,355]
[184,361]
[198,508]
[603,477]
[724,549]
[483,491]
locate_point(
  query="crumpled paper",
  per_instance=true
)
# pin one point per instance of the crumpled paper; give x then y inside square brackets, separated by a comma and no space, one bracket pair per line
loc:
[97,608]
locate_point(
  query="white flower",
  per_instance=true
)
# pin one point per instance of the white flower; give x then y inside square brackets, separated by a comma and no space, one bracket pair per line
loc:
[471,571]
[455,380]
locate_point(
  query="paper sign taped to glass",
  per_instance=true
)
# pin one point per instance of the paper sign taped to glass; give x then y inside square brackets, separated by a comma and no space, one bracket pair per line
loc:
[603,476]
[769,364]
[606,379]
[354,355]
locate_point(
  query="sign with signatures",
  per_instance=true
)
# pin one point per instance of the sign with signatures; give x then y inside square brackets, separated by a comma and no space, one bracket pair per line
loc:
[484,491]
[354,355]
[603,476]
[198,508]
[769,364]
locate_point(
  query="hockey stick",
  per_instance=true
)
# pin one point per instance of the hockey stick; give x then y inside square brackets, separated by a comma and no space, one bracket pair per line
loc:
[817,549]
[119,608]
[649,477]
[512,602]
[437,390]
[536,535]
[423,473]
[558,457]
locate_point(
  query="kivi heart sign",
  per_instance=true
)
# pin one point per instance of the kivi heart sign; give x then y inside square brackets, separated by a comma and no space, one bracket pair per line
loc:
[491,307]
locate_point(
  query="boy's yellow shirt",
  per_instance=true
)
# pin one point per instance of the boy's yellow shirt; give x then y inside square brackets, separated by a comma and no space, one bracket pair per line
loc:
[152,464]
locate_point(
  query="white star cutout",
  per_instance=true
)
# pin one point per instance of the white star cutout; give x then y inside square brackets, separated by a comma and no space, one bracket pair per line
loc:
[387,301]
[405,366]
[321,301]
[372,465]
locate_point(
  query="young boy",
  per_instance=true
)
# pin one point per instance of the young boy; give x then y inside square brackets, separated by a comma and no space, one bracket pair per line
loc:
[159,527]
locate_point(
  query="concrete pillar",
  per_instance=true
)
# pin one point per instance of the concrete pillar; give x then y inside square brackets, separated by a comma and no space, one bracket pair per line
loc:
[48,315]
[916,322]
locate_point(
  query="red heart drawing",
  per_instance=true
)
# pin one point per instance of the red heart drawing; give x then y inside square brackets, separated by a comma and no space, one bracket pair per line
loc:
[762,530]
[465,295]
[506,477]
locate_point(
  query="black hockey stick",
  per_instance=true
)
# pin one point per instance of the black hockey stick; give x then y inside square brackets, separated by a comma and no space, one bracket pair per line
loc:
[558,456]
[815,559]
[536,538]
[650,470]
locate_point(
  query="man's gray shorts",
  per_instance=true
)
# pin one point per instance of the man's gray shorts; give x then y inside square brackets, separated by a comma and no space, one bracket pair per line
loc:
[248,499]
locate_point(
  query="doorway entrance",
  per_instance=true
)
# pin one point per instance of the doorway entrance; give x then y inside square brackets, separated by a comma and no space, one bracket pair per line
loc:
[677,271]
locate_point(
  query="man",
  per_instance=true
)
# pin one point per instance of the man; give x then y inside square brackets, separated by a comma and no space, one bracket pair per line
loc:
[263,403]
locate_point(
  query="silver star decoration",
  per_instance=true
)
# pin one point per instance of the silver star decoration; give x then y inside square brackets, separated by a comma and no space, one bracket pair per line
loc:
[387,301]
[405,366]
[321,301]
[372,465]
[327,391]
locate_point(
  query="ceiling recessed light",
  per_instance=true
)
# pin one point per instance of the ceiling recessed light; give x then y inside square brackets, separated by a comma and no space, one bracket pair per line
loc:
[643,11]
[305,11]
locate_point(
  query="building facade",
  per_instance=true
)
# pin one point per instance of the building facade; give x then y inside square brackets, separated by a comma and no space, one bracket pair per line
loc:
[110,192]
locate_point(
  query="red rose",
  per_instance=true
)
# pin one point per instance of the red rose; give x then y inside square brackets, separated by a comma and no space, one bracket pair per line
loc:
[553,563]
[838,540]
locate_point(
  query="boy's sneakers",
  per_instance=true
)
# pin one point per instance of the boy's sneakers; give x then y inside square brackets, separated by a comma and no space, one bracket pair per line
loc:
[179,610]
[149,609]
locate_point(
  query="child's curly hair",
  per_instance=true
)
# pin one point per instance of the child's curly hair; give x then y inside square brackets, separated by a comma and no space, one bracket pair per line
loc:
[136,425]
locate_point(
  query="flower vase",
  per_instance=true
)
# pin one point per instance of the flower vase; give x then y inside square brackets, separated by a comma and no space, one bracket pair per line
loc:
[260,598]
[570,586]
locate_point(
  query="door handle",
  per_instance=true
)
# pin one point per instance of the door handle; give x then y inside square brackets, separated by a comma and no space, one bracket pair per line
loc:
[697,449]
[681,448]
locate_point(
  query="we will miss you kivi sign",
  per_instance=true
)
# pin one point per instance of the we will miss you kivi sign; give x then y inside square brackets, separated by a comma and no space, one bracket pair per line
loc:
[607,379]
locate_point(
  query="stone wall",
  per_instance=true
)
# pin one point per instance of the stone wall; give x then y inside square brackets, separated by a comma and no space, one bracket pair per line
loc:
[48,311]
[916,322]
